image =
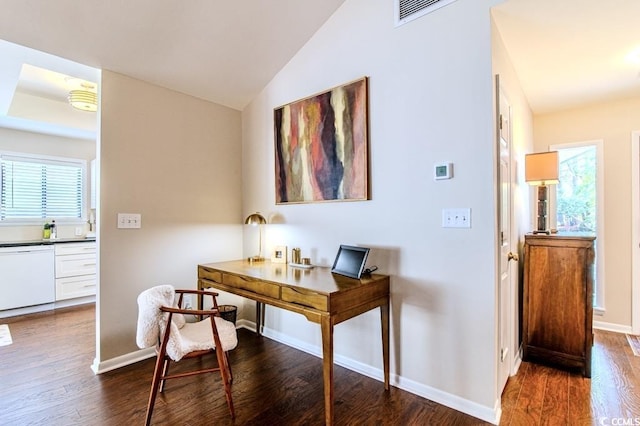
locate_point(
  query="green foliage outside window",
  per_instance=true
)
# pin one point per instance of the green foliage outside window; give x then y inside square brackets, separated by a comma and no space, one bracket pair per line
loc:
[576,192]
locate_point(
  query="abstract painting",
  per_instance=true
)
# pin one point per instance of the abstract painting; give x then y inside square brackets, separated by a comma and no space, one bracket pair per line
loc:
[321,146]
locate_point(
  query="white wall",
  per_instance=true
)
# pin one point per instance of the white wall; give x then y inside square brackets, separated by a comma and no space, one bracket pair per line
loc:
[431,100]
[175,160]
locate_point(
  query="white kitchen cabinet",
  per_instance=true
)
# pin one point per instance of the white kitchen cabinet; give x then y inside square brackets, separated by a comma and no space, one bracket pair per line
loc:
[75,270]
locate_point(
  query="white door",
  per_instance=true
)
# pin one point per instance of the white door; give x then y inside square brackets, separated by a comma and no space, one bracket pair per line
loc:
[507,280]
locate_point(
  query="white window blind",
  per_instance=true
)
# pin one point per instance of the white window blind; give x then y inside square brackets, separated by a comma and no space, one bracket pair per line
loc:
[40,188]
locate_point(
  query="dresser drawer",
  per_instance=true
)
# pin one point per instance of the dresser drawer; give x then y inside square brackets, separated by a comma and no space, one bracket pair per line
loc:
[72,287]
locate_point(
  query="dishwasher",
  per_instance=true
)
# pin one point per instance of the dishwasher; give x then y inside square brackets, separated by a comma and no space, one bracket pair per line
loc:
[27,276]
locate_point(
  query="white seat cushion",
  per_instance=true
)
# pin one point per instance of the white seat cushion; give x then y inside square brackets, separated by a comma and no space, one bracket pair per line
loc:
[198,336]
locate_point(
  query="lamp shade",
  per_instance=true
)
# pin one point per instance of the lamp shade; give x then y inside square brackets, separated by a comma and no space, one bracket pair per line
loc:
[541,168]
[255,219]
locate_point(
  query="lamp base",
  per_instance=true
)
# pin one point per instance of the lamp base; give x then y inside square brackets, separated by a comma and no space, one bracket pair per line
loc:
[542,232]
[255,259]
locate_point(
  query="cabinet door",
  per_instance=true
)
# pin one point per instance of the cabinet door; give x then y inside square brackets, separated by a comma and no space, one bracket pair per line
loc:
[556,299]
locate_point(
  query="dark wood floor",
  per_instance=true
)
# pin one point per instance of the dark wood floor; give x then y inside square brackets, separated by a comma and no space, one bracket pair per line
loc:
[45,379]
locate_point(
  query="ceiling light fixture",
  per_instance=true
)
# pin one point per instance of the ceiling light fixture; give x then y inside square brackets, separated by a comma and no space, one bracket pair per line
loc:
[84,99]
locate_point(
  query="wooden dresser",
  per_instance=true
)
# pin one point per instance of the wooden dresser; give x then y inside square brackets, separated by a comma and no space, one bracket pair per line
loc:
[558,300]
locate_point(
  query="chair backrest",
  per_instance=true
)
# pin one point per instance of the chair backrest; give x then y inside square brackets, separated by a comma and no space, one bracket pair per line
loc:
[150,316]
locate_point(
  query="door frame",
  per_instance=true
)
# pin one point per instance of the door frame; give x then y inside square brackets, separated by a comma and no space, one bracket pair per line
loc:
[635,232]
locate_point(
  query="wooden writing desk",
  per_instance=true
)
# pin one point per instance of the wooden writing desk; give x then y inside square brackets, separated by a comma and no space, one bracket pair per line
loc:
[319,295]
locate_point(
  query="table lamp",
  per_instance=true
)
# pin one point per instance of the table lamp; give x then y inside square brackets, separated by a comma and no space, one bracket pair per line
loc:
[541,169]
[256,219]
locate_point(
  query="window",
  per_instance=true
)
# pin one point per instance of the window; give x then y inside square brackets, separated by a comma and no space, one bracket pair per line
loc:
[38,187]
[578,201]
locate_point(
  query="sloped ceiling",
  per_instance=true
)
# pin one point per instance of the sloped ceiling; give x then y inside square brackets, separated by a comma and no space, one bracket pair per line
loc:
[566,53]
[221,51]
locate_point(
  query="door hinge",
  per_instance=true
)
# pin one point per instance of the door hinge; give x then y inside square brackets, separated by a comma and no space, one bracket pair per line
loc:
[500,122]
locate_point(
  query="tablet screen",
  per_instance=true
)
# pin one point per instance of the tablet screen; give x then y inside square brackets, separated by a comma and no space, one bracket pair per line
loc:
[350,261]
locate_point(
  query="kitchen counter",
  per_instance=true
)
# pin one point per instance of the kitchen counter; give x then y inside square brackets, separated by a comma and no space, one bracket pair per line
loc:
[46,242]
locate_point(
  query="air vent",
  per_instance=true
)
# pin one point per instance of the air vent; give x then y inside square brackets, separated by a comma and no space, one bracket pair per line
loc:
[408,10]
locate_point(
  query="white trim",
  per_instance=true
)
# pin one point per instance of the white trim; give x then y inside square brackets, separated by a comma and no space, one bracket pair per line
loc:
[600,253]
[609,326]
[100,367]
[487,414]
[23,124]
[635,232]
[26,310]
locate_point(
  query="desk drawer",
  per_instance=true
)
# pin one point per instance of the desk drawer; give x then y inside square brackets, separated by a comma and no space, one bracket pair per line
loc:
[305,298]
[206,274]
[254,286]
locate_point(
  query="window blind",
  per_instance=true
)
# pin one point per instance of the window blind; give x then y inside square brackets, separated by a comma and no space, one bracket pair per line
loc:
[40,188]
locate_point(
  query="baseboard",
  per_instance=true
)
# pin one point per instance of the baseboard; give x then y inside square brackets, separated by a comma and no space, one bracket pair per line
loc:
[26,310]
[487,414]
[616,328]
[47,306]
[100,367]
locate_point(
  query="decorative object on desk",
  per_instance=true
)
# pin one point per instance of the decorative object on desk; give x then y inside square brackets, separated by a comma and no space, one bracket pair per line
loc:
[302,265]
[256,219]
[321,146]
[295,255]
[541,169]
[279,254]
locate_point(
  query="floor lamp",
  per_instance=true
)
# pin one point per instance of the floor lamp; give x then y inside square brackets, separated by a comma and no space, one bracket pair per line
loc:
[256,219]
[541,169]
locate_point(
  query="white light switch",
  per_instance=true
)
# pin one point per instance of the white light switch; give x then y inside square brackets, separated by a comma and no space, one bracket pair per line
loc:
[129,220]
[456,218]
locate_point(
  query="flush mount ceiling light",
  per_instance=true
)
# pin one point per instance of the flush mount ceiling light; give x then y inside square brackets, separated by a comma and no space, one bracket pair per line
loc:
[84,99]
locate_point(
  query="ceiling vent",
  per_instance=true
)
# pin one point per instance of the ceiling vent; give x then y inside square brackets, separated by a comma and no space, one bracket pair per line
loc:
[408,10]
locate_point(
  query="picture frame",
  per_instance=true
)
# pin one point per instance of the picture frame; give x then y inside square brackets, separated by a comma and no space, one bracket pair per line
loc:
[322,146]
[279,254]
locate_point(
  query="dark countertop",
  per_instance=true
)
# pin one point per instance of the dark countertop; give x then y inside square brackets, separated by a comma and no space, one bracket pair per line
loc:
[46,242]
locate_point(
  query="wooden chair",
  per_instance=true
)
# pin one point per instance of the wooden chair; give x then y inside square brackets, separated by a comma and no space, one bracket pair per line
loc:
[181,339]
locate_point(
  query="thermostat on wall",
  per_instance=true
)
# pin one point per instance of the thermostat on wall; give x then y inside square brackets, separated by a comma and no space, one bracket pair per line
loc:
[443,171]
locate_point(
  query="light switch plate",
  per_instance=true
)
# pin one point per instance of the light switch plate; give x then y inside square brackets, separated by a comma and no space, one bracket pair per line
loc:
[456,218]
[129,220]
